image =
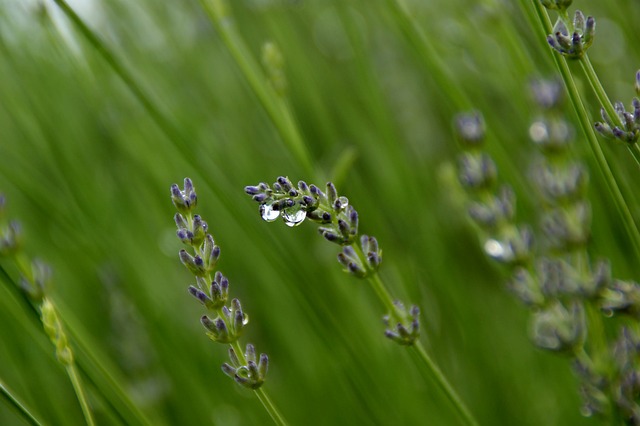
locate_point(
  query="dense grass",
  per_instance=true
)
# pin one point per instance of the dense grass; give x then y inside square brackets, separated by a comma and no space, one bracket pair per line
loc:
[86,169]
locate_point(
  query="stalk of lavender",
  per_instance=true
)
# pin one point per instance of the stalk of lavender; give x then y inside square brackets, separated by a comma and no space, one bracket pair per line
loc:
[571,39]
[35,277]
[360,256]
[211,289]
[565,289]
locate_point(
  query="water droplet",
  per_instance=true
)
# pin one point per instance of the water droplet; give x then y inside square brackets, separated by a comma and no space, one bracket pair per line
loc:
[268,213]
[344,202]
[498,250]
[294,216]
[586,411]
[607,312]
[538,132]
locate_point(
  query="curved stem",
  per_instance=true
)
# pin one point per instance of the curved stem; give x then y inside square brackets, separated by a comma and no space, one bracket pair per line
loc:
[275,106]
[11,399]
[270,407]
[590,134]
[444,385]
[598,89]
[78,388]
[431,367]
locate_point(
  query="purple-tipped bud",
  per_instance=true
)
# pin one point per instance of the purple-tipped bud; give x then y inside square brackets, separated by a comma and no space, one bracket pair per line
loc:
[308,200]
[250,353]
[229,370]
[637,84]
[252,190]
[344,228]
[181,222]
[208,323]
[356,270]
[260,198]
[589,32]
[263,365]
[350,252]
[234,357]
[330,236]
[200,295]
[193,264]
[253,369]
[470,128]
[293,193]
[332,193]
[315,190]
[344,260]
[285,183]
[303,187]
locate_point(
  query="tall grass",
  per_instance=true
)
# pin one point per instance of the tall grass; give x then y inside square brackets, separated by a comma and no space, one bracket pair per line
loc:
[85,162]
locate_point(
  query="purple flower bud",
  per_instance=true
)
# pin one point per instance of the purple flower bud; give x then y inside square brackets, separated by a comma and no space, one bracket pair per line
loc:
[260,198]
[229,370]
[252,190]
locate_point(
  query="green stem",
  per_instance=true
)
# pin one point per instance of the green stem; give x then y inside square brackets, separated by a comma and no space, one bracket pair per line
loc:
[262,395]
[444,385]
[14,402]
[80,393]
[156,115]
[275,106]
[594,81]
[270,407]
[431,367]
[589,131]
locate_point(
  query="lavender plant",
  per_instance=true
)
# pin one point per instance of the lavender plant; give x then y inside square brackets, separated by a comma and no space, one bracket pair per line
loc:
[211,289]
[573,45]
[565,289]
[35,278]
[361,257]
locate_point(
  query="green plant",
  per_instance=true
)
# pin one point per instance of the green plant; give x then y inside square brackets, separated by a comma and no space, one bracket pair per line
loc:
[360,256]
[212,290]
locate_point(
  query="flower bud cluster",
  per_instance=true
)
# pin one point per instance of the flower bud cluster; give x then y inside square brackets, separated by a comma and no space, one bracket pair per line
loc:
[628,128]
[338,219]
[404,325]
[250,374]
[573,44]
[360,257]
[211,288]
[491,209]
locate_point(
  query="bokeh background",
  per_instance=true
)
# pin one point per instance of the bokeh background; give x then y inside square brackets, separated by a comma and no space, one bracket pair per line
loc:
[86,169]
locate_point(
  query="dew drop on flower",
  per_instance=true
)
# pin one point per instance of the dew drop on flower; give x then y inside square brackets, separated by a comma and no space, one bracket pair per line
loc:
[586,411]
[268,213]
[294,216]
[607,312]
[498,250]
[538,132]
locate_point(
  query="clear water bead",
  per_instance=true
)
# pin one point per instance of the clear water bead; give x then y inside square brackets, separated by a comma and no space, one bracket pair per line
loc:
[268,213]
[498,250]
[294,216]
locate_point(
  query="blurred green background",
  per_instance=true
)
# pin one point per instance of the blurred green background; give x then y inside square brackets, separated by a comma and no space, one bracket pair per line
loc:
[87,171]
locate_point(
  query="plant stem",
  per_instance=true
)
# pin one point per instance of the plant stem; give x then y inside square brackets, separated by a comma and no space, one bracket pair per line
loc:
[11,399]
[594,81]
[431,367]
[82,398]
[444,385]
[275,105]
[262,395]
[589,131]
[157,116]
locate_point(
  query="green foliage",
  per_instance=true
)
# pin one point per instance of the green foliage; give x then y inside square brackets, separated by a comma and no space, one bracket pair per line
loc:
[91,140]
